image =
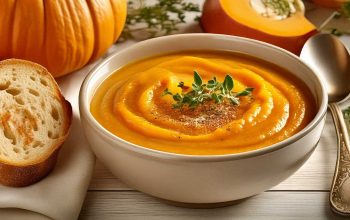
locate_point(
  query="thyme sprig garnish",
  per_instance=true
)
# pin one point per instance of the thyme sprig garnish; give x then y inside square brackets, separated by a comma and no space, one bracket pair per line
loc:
[162,18]
[212,91]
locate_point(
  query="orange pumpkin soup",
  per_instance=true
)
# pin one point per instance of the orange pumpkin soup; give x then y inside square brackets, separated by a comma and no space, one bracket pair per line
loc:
[130,104]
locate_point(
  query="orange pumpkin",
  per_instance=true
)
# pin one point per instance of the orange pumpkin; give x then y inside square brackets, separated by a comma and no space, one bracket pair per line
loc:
[62,35]
[229,17]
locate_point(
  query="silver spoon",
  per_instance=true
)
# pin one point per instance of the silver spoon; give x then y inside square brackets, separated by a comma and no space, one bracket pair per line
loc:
[328,57]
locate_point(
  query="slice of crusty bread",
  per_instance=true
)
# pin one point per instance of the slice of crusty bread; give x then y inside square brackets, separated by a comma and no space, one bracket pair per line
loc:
[34,122]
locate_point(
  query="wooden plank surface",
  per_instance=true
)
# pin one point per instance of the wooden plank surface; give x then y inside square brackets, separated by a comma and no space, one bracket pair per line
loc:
[269,205]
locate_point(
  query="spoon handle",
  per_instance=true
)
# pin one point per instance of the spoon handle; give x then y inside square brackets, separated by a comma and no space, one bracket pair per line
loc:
[340,191]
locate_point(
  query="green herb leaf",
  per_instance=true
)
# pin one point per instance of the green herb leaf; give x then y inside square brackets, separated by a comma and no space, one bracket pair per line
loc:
[215,97]
[234,100]
[245,92]
[181,84]
[193,104]
[197,79]
[166,92]
[177,97]
[213,90]
[228,83]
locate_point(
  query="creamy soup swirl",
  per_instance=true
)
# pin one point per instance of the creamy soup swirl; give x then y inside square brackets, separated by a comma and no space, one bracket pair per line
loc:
[130,105]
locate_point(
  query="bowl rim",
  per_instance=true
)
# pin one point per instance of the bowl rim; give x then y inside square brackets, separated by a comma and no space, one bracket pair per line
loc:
[84,107]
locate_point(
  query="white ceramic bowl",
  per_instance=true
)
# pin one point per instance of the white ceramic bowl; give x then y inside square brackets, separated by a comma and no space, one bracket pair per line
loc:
[202,179]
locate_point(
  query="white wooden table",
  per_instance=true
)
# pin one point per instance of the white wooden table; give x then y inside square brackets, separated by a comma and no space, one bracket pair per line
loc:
[303,196]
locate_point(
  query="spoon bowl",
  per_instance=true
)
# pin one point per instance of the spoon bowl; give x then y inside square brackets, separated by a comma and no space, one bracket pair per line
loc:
[328,57]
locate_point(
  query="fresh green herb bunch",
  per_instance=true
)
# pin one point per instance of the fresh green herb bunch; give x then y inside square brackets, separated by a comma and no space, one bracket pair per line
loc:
[344,12]
[345,9]
[154,20]
[280,7]
[200,92]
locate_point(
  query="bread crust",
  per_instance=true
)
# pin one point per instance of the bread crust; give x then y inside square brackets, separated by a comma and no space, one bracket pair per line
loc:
[19,176]
[24,174]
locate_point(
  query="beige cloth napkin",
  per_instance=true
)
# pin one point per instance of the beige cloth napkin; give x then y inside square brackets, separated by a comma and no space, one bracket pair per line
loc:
[61,194]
